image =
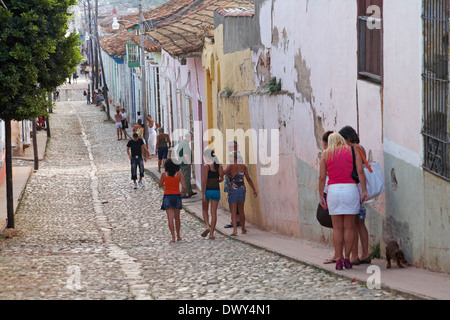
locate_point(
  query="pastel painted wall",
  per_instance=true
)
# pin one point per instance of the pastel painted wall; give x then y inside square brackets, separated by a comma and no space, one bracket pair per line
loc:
[182,96]
[314,54]
[229,82]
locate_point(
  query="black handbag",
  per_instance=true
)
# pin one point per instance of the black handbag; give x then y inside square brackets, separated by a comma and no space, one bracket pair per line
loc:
[323,215]
[354,172]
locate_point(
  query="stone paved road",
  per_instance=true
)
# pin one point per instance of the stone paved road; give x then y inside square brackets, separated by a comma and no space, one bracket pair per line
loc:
[84,233]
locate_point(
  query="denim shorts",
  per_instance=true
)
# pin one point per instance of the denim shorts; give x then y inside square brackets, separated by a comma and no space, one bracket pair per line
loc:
[162,153]
[212,195]
[171,201]
[236,195]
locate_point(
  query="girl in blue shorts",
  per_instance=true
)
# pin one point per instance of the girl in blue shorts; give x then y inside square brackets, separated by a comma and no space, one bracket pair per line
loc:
[213,175]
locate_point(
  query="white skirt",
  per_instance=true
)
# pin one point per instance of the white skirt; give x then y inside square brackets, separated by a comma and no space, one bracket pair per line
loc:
[343,198]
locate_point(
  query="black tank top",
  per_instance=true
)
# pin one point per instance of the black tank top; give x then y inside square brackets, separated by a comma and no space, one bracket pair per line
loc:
[213,180]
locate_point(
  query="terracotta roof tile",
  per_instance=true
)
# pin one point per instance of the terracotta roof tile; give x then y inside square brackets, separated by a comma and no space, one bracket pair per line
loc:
[163,11]
[181,34]
[149,45]
[116,44]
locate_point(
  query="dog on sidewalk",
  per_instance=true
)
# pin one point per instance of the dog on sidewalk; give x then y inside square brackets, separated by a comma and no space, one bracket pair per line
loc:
[394,252]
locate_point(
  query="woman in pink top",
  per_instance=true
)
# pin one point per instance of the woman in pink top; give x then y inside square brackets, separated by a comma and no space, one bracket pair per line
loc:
[343,198]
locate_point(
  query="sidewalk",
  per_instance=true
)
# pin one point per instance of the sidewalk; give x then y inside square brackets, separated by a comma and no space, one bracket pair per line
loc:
[21,174]
[420,283]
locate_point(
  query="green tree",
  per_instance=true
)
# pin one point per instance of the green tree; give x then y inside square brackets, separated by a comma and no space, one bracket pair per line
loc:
[35,57]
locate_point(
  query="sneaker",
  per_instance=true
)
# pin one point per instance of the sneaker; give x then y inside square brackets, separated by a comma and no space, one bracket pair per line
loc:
[135,186]
[141,184]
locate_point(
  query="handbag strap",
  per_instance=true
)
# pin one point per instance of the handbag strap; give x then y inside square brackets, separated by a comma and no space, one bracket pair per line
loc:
[354,167]
[364,159]
[353,156]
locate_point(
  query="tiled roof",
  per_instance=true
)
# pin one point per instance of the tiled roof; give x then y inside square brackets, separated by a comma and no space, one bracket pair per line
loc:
[149,45]
[182,34]
[163,11]
[116,44]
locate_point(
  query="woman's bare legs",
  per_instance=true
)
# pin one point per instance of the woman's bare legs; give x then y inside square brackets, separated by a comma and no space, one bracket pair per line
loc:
[233,207]
[242,216]
[214,205]
[338,236]
[349,234]
[205,205]
[170,218]
[177,223]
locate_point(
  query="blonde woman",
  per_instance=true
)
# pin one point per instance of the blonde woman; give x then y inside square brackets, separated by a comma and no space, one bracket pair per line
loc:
[343,198]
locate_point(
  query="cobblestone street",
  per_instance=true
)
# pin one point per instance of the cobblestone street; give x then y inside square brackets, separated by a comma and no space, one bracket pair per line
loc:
[85,233]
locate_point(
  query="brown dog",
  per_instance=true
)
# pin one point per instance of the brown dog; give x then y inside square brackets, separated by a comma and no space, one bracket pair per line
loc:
[394,252]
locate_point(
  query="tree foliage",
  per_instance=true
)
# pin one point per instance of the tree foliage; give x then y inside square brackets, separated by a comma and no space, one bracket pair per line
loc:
[36,55]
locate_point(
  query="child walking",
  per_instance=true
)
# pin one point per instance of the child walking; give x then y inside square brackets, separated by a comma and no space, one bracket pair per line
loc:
[213,175]
[170,180]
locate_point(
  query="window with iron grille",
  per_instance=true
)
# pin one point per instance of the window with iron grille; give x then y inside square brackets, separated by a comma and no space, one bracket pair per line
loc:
[435,87]
[370,40]
[133,55]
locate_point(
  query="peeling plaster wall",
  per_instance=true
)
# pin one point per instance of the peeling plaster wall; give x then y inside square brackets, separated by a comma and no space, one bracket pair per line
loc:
[311,46]
[318,94]
[314,53]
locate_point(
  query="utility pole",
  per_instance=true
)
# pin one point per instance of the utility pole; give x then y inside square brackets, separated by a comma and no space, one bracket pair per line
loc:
[143,74]
[105,86]
[91,51]
[96,49]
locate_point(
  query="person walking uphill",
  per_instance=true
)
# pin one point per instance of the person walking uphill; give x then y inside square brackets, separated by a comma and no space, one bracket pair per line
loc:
[185,160]
[163,145]
[170,180]
[236,192]
[136,150]
[343,197]
[118,119]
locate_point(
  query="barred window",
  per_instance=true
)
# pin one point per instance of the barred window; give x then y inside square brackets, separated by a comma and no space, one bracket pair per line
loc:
[435,86]
[370,40]
[133,55]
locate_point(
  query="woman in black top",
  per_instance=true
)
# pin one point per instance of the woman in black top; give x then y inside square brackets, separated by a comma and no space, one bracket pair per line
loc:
[213,175]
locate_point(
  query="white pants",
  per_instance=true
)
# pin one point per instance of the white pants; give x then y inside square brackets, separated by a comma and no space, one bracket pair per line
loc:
[151,140]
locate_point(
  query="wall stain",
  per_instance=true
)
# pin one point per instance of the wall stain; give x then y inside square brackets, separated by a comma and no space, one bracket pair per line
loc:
[304,88]
[303,83]
[275,36]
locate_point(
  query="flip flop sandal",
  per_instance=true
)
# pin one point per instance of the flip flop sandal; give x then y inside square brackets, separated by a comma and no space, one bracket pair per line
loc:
[366,260]
[329,261]
[205,233]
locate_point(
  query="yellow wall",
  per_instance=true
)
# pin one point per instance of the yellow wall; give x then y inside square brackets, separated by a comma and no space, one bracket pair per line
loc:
[225,73]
